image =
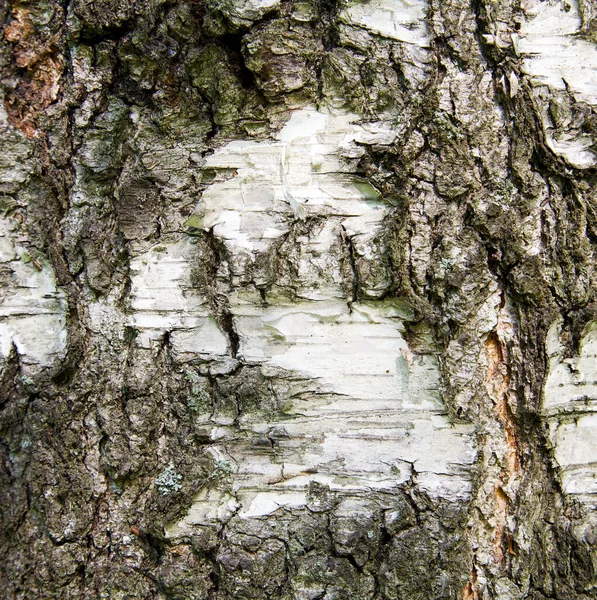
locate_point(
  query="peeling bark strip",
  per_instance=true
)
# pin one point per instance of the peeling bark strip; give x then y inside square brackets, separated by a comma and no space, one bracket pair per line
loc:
[497,383]
[298,300]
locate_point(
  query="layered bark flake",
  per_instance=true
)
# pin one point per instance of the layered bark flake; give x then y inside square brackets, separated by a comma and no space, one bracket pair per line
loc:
[298,299]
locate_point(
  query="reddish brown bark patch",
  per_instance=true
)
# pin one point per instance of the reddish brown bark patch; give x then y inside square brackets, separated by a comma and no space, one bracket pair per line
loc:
[471,589]
[39,65]
[497,381]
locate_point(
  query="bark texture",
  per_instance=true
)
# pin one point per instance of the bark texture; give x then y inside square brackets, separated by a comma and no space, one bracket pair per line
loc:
[298,299]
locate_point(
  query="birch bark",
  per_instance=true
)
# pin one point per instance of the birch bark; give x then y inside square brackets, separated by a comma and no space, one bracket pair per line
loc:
[298,299]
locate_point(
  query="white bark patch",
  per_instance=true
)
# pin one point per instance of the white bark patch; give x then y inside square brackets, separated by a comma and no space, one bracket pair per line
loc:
[402,20]
[164,301]
[308,170]
[357,352]
[556,56]
[570,406]
[370,416]
[252,10]
[32,308]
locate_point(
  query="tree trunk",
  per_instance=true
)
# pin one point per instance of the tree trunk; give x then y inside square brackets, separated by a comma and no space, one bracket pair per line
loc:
[298,299]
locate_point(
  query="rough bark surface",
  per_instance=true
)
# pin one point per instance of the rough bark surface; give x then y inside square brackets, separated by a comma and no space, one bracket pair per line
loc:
[298,299]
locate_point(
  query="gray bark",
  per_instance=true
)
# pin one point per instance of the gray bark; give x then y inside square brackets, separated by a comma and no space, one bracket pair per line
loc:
[298,299]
